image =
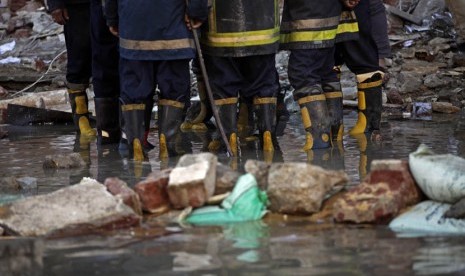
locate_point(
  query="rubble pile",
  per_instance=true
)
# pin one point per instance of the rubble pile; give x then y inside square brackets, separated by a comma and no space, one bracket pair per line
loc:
[426,65]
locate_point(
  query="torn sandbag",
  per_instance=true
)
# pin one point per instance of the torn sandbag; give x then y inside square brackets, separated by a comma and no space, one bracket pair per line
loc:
[246,203]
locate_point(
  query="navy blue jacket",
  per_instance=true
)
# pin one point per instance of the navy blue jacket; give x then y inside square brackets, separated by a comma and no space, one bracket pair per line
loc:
[155,29]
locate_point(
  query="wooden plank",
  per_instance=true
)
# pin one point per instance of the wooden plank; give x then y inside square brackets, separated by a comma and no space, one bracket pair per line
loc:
[24,115]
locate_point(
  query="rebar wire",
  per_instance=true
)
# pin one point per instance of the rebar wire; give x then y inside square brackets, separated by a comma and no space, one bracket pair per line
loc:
[41,77]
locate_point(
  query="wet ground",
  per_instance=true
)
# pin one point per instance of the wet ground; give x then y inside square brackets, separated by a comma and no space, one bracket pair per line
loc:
[276,246]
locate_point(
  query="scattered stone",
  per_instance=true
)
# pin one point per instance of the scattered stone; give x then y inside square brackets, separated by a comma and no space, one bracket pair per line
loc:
[386,190]
[59,161]
[444,107]
[192,181]
[27,183]
[78,209]
[259,169]
[300,188]
[119,188]
[226,178]
[456,211]
[394,97]
[153,192]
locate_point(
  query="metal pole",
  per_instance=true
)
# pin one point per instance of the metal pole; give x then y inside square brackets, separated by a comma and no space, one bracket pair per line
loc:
[219,125]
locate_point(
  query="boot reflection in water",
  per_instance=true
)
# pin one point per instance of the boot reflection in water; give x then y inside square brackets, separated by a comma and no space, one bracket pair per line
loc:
[81,146]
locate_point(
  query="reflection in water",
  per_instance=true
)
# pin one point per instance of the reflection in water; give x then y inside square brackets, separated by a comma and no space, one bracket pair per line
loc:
[278,247]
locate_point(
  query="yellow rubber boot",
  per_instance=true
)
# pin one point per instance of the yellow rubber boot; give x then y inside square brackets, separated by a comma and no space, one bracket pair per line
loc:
[369,103]
[79,107]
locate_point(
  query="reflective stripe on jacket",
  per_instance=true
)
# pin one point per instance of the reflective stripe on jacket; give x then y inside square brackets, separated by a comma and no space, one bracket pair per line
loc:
[308,24]
[155,29]
[242,28]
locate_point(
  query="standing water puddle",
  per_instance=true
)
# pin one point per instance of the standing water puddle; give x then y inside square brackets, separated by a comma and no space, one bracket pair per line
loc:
[275,246]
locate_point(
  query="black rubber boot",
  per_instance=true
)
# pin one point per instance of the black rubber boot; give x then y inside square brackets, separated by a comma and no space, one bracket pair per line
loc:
[369,106]
[134,128]
[108,127]
[265,108]
[79,107]
[333,96]
[315,117]
[227,110]
[170,118]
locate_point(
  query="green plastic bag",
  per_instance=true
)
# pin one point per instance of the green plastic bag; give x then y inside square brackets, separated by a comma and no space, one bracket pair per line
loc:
[245,203]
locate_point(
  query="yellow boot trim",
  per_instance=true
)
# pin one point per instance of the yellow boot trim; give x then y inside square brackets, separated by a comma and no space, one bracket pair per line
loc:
[163,147]
[362,166]
[363,77]
[138,150]
[81,105]
[199,127]
[214,146]
[129,107]
[233,143]
[313,98]
[185,126]
[269,100]
[333,95]
[226,101]
[267,142]
[340,133]
[138,169]
[268,156]
[310,156]
[361,124]
[85,128]
[305,117]
[166,102]
[308,142]
[243,119]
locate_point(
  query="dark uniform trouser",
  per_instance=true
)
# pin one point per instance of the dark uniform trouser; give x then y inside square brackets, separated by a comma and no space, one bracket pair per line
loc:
[253,75]
[105,56]
[310,67]
[139,79]
[361,56]
[78,45]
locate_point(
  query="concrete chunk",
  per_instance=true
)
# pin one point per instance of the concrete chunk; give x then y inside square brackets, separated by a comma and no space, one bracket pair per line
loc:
[78,209]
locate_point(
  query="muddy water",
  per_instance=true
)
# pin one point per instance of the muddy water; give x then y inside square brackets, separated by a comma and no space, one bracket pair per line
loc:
[276,246]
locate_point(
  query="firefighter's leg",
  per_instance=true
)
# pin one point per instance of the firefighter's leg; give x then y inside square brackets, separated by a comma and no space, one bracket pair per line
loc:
[170,115]
[333,96]
[227,111]
[315,118]
[79,107]
[369,104]
[134,128]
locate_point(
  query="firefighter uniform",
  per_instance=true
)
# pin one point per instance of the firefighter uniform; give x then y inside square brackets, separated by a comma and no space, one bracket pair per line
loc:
[155,49]
[240,43]
[105,76]
[309,30]
[362,58]
[79,65]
